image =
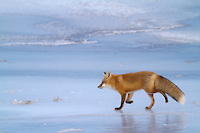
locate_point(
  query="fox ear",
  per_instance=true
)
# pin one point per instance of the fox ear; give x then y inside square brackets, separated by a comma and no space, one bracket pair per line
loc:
[104,73]
[108,74]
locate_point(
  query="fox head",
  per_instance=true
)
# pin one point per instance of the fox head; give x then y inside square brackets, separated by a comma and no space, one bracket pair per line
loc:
[104,84]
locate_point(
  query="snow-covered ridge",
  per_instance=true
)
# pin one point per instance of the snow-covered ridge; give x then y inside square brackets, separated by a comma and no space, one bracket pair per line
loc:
[51,43]
[130,31]
[57,41]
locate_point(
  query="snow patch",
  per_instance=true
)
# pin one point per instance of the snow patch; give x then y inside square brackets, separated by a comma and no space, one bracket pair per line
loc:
[53,43]
[23,102]
[131,31]
[71,130]
[10,91]
[58,99]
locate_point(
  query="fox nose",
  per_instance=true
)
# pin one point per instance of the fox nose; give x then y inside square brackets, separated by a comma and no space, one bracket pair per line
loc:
[100,87]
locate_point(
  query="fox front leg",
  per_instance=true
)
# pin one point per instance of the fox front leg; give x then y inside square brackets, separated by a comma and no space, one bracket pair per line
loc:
[128,100]
[123,97]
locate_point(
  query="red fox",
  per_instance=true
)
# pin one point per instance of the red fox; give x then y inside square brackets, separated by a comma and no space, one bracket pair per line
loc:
[149,81]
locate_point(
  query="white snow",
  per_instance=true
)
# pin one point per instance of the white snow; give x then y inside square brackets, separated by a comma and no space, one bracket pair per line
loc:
[22,102]
[70,130]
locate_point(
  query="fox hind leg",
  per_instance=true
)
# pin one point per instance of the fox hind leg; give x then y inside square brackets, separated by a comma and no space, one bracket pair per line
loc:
[152,101]
[166,99]
[128,100]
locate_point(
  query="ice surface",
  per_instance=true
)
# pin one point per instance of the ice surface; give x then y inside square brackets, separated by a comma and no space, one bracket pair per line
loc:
[70,75]
[53,55]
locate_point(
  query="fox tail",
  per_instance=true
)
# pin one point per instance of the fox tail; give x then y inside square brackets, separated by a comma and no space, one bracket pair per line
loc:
[170,88]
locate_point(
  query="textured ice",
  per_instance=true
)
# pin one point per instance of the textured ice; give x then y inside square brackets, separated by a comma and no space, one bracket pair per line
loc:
[53,54]
[71,22]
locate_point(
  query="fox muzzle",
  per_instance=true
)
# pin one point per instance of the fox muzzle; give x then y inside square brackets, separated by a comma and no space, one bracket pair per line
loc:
[100,86]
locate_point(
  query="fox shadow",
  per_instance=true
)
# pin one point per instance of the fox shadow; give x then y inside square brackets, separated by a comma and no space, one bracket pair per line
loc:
[151,122]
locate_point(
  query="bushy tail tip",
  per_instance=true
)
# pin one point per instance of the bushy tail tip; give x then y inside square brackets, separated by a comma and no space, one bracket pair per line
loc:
[182,100]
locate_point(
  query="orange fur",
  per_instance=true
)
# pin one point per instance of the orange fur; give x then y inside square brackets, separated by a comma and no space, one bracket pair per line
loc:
[149,81]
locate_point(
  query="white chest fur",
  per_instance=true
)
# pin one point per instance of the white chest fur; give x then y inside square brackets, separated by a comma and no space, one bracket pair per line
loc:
[108,86]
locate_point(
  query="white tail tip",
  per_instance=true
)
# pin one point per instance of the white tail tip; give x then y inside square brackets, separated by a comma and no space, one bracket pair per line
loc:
[182,100]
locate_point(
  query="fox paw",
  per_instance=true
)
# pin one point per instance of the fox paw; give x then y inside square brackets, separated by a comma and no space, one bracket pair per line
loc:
[129,102]
[147,108]
[118,108]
